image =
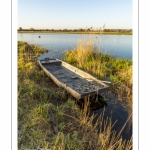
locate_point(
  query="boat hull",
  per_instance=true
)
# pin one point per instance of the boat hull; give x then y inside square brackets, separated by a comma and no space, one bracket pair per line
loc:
[75,81]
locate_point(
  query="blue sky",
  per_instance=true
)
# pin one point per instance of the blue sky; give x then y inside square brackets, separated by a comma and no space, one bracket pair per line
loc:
[74,14]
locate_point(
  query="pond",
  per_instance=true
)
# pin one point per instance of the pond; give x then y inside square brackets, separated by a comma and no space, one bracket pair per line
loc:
[117,45]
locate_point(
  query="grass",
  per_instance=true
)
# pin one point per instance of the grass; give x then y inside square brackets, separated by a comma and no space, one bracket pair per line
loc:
[48,119]
[103,66]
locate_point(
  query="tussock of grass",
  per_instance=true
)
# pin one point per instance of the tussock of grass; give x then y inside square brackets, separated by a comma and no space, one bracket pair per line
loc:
[47,119]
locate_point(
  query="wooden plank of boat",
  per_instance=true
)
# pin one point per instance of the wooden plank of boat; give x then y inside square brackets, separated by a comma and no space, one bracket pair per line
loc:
[77,82]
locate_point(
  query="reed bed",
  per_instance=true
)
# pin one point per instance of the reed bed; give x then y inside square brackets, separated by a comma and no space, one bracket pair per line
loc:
[48,119]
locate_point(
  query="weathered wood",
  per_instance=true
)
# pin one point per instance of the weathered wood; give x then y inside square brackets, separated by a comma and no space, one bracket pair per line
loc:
[77,82]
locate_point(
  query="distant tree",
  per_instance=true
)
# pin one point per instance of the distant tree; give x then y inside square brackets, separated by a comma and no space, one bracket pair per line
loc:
[130,30]
[80,30]
[88,29]
[65,29]
[106,30]
[32,29]
[20,28]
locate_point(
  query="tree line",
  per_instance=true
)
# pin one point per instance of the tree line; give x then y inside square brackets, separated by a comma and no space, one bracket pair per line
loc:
[77,30]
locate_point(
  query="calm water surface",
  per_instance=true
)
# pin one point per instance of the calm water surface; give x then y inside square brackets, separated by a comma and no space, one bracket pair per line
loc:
[117,45]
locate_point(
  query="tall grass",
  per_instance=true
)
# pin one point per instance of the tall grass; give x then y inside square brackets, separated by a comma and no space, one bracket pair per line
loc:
[105,67]
[47,119]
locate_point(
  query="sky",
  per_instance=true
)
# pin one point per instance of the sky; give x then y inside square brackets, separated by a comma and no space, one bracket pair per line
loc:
[74,14]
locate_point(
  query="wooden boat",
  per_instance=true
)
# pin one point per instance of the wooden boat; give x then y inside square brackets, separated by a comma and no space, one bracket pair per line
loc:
[75,81]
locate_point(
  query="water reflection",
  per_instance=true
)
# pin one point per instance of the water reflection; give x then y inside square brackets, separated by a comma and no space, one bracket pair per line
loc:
[94,104]
[112,108]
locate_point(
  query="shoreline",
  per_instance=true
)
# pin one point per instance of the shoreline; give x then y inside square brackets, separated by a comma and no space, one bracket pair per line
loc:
[71,32]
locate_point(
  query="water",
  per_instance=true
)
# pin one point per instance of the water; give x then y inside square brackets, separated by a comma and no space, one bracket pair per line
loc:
[118,45]
[114,109]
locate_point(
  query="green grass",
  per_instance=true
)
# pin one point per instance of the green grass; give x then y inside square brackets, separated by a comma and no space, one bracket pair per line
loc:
[47,119]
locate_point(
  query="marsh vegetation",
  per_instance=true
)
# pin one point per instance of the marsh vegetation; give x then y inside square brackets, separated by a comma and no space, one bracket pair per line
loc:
[49,119]
[103,66]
